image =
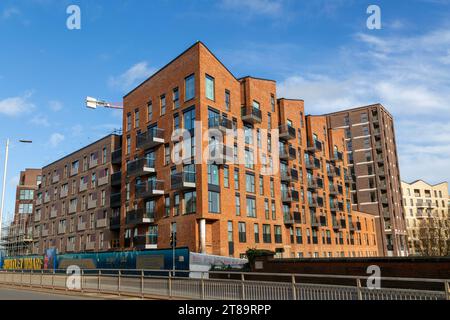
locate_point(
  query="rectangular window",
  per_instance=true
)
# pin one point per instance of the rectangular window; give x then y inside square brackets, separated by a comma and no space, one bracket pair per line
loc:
[227,100]
[266,209]
[176,204]
[128,145]
[272,102]
[214,202]
[237,201]
[149,111]
[176,98]
[167,206]
[250,183]
[209,89]
[136,118]
[226,177]
[261,185]
[189,90]
[251,207]
[176,122]
[190,202]
[213,174]
[267,238]
[128,122]
[167,154]
[256,232]
[278,238]
[163,104]
[236,179]
[242,232]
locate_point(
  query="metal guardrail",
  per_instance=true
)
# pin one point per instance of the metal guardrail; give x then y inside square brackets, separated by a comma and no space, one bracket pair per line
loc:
[221,285]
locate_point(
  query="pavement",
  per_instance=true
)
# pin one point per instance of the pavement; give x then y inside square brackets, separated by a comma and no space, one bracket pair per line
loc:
[16,293]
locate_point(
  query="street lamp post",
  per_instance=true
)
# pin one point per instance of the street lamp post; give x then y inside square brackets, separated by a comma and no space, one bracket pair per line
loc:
[4,182]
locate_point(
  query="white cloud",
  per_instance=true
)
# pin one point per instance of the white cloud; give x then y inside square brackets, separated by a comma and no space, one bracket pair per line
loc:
[409,75]
[132,76]
[77,130]
[55,105]
[40,120]
[10,12]
[56,139]
[16,106]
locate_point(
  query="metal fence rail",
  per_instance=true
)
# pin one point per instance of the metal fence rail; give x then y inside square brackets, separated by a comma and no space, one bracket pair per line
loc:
[224,285]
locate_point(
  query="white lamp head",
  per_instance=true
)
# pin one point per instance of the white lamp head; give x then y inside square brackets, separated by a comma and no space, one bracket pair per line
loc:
[91,103]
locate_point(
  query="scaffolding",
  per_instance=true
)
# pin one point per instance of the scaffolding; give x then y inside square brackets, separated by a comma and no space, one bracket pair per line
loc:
[17,237]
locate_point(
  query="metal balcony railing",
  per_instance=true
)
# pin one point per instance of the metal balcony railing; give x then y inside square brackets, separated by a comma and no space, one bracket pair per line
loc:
[141,167]
[289,196]
[288,153]
[150,139]
[314,146]
[115,200]
[289,175]
[313,164]
[251,114]
[116,179]
[315,183]
[116,156]
[183,180]
[221,123]
[287,132]
[150,189]
[139,216]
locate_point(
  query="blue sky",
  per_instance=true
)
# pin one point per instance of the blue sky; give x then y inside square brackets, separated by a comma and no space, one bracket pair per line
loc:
[317,50]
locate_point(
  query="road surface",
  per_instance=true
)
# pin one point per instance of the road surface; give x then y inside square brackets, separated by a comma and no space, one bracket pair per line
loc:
[27,294]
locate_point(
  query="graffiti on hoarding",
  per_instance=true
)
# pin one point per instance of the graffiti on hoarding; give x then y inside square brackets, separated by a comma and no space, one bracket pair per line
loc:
[31,263]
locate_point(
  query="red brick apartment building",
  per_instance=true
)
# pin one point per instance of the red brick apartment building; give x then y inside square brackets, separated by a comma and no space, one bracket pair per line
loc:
[374,172]
[303,209]
[19,235]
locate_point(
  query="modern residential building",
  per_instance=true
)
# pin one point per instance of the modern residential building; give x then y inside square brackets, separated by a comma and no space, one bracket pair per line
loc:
[78,198]
[427,218]
[273,178]
[373,172]
[18,236]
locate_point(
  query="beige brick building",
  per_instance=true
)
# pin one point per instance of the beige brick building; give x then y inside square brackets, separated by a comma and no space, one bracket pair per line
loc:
[427,218]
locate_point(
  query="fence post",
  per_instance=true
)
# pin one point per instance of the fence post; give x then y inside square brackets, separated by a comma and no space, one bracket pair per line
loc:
[81,280]
[294,291]
[203,286]
[142,284]
[53,280]
[359,289]
[447,290]
[170,285]
[243,286]
[21,279]
[42,276]
[99,281]
[118,286]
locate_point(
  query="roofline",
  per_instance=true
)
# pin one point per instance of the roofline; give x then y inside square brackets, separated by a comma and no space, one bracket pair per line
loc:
[286,99]
[173,60]
[256,78]
[361,107]
[420,180]
[89,145]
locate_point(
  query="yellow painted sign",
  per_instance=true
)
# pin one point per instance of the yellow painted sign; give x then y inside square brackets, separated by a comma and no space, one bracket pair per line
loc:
[23,263]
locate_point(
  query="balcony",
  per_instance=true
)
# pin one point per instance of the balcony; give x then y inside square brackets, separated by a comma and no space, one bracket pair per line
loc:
[378,145]
[338,157]
[64,193]
[83,186]
[150,189]
[115,200]
[114,223]
[315,222]
[289,175]
[288,153]
[61,229]
[386,213]
[219,153]
[116,179]
[343,223]
[381,173]
[336,225]
[288,220]
[55,178]
[103,180]
[150,139]
[349,178]
[376,131]
[46,198]
[313,164]
[145,242]
[334,207]
[289,196]
[314,146]
[139,216]
[315,183]
[251,115]
[379,158]
[141,167]
[39,201]
[220,123]
[425,204]
[116,156]
[81,226]
[384,200]
[351,226]
[45,232]
[93,162]
[287,132]
[183,181]
[332,172]
[333,190]
[90,245]
[92,203]
[315,202]
[74,171]
[101,223]
[73,208]
[37,217]
[53,213]
[70,247]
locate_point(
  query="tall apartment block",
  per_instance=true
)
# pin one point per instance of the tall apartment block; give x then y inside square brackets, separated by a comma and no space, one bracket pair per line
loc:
[301,209]
[77,200]
[18,238]
[427,218]
[374,173]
